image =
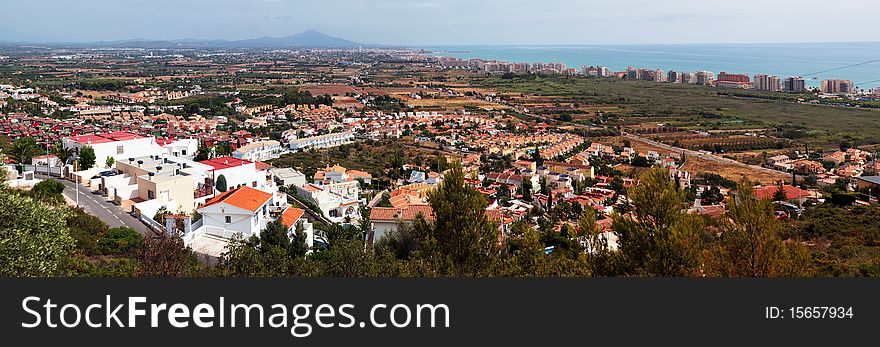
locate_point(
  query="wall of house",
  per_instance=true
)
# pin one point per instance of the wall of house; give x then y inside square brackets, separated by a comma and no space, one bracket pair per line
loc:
[242,221]
[244,175]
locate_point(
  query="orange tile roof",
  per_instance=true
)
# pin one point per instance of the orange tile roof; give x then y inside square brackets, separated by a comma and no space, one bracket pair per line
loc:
[262,166]
[291,215]
[245,197]
[409,214]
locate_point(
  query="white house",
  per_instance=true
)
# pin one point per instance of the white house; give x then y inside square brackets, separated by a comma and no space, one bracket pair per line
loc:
[242,210]
[183,148]
[337,201]
[118,145]
[239,173]
[245,211]
[287,176]
[260,150]
[321,141]
[384,220]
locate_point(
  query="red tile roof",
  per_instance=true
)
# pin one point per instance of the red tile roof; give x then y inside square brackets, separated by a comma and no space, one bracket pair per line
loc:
[245,197]
[408,214]
[791,192]
[108,137]
[225,162]
[291,215]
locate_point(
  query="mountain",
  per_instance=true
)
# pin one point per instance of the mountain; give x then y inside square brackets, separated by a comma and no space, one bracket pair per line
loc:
[8,34]
[306,39]
[309,38]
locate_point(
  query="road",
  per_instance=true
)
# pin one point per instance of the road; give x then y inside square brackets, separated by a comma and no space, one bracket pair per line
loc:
[98,206]
[701,155]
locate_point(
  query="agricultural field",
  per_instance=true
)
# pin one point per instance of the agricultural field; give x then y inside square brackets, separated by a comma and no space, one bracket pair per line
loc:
[693,107]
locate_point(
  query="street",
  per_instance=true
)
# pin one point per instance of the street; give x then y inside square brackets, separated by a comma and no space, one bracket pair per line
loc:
[98,206]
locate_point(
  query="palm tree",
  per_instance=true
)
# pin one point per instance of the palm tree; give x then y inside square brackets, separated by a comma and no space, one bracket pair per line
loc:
[23,149]
[63,154]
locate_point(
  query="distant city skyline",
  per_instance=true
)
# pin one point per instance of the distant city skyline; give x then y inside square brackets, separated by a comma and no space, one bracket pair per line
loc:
[447,22]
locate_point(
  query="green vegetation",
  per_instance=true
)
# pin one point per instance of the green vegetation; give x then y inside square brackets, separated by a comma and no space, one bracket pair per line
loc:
[697,107]
[382,159]
[86,158]
[33,237]
[221,183]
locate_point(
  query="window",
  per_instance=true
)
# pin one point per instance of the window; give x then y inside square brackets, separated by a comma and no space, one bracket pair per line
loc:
[228,219]
[120,149]
[254,184]
[151,195]
[183,152]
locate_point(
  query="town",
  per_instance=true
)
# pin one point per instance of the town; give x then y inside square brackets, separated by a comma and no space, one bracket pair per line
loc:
[218,148]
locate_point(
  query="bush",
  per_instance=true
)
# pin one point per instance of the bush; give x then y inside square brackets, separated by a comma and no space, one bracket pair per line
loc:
[119,241]
[48,191]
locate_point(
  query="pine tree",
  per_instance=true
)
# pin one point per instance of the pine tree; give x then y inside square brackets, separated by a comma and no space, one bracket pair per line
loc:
[461,232]
[750,244]
[659,238]
[221,183]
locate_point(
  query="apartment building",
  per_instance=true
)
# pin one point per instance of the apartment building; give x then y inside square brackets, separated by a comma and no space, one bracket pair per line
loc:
[259,150]
[320,141]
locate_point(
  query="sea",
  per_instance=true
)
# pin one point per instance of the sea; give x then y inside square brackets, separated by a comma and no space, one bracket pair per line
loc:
[856,61]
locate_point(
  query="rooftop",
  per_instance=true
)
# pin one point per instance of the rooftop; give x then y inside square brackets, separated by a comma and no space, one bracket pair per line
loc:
[105,138]
[221,163]
[245,197]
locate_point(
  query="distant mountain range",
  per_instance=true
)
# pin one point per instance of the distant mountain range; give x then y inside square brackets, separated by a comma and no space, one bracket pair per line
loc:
[306,39]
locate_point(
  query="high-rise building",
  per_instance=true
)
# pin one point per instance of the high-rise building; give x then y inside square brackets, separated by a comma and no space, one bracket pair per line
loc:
[673,77]
[838,87]
[728,77]
[795,84]
[703,77]
[603,71]
[659,76]
[687,77]
[633,74]
[767,82]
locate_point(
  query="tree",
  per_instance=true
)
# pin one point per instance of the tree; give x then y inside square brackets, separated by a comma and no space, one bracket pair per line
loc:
[600,257]
[461,233]
[120,241]
[165,255]
[48,191]
[23,150]
[34,237]
[63,154]
[536,157]
[109,161]
[221,183]
[658,238]
[274,235]
[202,153]
[780,195]
[299,246]
[86,158]
[750,244]
[526,189]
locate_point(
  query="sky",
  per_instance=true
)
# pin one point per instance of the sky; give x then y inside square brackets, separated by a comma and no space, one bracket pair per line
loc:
[451,22]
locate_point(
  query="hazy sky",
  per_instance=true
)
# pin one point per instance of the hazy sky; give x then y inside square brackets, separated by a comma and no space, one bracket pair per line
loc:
[432,22]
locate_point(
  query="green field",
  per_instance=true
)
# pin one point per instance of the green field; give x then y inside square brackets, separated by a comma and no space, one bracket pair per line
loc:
[699,107]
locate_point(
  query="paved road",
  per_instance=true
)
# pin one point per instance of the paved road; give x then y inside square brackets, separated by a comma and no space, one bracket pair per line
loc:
[98,206]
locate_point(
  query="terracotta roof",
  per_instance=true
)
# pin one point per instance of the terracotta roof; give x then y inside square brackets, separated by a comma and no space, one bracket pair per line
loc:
[408,214]
[291,215]
[791,192]
[245,197]
[262,166]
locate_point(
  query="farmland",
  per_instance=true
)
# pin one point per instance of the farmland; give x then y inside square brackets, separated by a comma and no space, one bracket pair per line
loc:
[693,107]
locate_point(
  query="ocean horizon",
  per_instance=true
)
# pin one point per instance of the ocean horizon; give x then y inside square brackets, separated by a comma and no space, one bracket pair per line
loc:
[809,60]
